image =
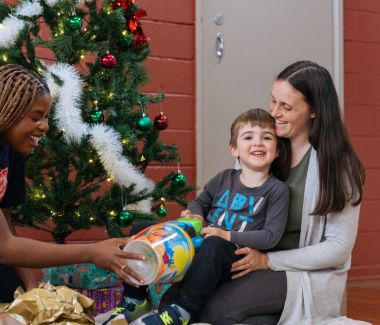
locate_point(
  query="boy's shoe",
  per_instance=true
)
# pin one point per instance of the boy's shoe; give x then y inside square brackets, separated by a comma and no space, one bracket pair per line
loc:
[129,310]
[168,316]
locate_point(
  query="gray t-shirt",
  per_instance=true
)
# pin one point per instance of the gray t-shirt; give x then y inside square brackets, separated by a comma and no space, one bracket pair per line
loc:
[256,217]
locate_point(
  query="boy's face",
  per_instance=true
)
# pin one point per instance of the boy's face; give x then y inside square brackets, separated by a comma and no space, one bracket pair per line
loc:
[256,147]
[23,136]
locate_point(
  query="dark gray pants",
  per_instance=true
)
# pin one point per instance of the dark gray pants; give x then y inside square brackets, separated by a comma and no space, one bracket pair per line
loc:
[257,298]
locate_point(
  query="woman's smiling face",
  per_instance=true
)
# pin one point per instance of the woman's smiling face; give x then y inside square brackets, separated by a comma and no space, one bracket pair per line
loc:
[23,136]
[290,110]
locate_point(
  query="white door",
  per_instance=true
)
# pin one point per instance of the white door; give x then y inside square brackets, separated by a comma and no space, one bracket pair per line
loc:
[260,38]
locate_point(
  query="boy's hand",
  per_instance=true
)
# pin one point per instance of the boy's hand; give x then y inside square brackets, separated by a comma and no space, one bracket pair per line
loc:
[109,254]
[189,214]
[213,231]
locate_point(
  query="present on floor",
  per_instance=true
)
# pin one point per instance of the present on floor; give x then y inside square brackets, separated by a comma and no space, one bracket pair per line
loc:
[104,299]
[83,276]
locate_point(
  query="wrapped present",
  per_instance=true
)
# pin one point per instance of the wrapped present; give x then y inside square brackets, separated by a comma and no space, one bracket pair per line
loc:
[84,275]
[156,292]
[48,304]
[104,299]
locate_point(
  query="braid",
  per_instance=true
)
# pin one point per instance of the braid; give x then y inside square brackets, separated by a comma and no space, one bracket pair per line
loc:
[19,87]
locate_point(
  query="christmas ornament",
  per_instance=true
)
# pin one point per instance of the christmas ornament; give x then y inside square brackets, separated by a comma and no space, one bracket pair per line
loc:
[124,4]
[108,61]
[96,116]
[74,23]
[161,210]
[144,123]
[179,180]
[142,159]
[125,40]
[125,218]
[161,122]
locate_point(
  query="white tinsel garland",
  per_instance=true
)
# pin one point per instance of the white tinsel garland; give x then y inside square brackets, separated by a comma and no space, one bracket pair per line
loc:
[11,26]
[104,139]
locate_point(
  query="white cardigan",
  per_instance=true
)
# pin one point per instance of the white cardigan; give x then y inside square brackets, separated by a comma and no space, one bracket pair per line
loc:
[317,271]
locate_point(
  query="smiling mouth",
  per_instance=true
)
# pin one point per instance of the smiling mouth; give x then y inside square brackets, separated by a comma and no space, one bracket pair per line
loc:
[35,139]
[258,153]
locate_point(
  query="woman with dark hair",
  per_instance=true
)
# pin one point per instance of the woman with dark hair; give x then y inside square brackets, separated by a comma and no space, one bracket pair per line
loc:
[303,279]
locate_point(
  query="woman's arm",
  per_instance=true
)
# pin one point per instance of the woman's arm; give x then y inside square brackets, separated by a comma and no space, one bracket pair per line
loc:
[26,275]
[334,250]
[24,252]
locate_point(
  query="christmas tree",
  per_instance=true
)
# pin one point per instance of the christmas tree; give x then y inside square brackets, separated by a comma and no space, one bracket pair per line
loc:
[89,168]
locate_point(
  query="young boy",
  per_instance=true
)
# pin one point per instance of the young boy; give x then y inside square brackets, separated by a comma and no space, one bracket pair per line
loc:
[242,208]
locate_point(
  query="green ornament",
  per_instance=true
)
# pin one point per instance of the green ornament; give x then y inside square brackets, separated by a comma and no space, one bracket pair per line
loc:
[96,116]
[162,211]
[144,123]
[125,218]
[179,180]
[74,23]
[124,41]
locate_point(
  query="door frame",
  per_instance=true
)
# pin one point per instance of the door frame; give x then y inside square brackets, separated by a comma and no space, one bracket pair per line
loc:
[337,74]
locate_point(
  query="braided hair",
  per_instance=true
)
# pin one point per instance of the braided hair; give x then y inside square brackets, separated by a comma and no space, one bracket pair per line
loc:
[19,87]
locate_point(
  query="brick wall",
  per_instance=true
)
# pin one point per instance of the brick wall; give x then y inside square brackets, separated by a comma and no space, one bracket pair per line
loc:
[362,113]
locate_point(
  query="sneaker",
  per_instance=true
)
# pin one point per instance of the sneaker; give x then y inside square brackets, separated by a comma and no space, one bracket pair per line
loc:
[168,316]
[129,310]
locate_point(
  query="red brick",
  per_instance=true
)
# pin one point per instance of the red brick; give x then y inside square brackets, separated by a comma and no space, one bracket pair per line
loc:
[362,120]
[366,251]
[372,185]
[364,272]
[361,57]
[171,40]
[170,76]
[368,5]
[368,150]
[362,89]
[369,216]
[182,11]
[180,110]
[33,233]
[361,26]
[156,173]
[185,141]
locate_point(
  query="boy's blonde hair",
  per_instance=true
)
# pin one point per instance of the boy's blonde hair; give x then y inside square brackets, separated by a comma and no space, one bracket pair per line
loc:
[252,117]
[19,87]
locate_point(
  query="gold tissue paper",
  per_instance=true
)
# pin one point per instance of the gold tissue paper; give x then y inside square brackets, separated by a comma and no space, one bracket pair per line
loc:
[48,304]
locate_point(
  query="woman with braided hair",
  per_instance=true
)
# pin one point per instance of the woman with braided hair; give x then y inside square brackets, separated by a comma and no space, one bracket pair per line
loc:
[24,107]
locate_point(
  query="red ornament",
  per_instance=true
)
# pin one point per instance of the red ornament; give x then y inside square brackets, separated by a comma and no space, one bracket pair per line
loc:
[161,122]
[124,4]
[108,61]
[133,23]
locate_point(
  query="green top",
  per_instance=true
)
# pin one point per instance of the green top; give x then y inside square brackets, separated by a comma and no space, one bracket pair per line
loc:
[296,183]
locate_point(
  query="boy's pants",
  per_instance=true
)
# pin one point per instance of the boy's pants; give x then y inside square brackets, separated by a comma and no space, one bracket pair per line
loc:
[211,266]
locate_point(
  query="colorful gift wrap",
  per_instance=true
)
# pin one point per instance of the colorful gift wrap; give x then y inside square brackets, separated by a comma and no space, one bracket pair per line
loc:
[156,292]
[104,299]
[84,275]
[168,252]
